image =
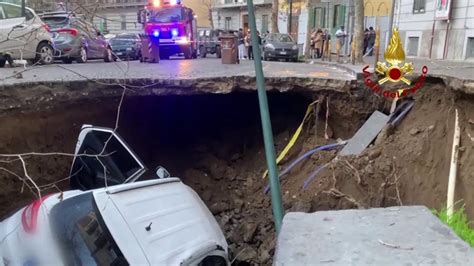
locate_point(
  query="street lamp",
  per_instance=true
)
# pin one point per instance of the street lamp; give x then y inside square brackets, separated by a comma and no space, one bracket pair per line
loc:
[277,206]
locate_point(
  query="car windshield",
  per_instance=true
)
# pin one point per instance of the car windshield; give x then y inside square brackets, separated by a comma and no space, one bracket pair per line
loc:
[167,15]
[82,234]
[123,40]
[285,38]
[56,22]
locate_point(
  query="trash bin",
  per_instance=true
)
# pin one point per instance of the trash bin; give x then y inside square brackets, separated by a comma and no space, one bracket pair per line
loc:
[150,49]
[229,49]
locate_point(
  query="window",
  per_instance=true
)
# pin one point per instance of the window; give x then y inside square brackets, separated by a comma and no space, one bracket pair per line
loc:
[319,20]
[265,21]
[419,6]
[11,11]
[338,19]
[413,46]
[470,47]
[228,22]
[81,231]
[123,23]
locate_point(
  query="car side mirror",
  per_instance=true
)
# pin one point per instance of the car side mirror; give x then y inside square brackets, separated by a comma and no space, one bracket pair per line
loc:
[161,172]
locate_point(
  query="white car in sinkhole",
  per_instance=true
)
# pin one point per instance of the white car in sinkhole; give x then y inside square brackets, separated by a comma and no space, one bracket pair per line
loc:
[112,218]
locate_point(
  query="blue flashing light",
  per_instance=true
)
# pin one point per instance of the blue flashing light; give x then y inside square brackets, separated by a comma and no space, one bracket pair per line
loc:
[174,32]
[156,33]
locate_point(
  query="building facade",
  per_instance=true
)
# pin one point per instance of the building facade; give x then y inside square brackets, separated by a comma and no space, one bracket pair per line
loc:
[427,32]
[233,14]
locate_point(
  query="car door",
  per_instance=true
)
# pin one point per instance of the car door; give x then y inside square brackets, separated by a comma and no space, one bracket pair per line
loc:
[17,33]
[97,41]
[103,158]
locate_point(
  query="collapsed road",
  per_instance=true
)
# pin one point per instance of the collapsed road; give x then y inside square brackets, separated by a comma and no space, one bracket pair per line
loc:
[204,127]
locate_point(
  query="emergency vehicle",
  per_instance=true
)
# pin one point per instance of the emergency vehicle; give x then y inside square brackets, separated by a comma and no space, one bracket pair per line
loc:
[171,24]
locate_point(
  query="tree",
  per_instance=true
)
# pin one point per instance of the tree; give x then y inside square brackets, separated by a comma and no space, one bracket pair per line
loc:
[308,31]
[209,6]
[275,16]
[358,31]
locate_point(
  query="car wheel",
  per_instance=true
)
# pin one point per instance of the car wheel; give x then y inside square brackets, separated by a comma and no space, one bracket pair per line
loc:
[218,52]
[44,54]
[82,58]
[109,57]
[3,62]
[188,53]
[67,60]
[202,51]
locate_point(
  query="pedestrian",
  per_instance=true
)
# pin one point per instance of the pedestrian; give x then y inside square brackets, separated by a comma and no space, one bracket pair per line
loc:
[326,40]
[248,44]
[311,43]
[366,40]
[259,41]
[372,37]
[240,37]
[341,40]
[318,43]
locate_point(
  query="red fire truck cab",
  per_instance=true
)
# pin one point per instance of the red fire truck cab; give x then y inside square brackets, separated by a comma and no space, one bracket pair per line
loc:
[173,25]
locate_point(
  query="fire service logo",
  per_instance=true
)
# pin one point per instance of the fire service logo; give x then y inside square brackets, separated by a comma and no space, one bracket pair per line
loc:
[394,70]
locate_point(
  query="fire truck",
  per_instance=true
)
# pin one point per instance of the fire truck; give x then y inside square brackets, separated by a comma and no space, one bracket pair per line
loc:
[171,24]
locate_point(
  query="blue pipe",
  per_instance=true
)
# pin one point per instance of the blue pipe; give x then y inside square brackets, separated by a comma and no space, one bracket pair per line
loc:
[402,114]
[313,175]
[304,156]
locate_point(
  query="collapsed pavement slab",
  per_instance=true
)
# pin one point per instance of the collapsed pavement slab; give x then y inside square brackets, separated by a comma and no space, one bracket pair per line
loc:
[382,236]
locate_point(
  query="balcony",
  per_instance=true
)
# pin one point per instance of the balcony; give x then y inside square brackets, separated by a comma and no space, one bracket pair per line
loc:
[240,3]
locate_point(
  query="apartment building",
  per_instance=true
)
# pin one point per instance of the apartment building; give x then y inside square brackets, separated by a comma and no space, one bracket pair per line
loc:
[233,14]
[437,29]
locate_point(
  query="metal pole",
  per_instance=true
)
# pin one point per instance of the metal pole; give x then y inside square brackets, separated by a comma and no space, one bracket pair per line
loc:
[277,205]
[290,18]
[23,4]
[390,22]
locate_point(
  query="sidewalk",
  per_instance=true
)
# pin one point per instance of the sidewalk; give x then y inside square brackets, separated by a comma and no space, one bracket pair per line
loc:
[463,70]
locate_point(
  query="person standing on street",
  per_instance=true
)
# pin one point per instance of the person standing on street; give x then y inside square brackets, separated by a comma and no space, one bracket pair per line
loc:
[240,37]
[372,36]
[341,40]
[366,40]
[248,44]
[318,43]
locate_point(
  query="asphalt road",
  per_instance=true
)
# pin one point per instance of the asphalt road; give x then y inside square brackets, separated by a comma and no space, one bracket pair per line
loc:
[176,68]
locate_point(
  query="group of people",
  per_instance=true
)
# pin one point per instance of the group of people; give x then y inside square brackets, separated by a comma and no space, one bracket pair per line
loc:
[320,42]
[245,44]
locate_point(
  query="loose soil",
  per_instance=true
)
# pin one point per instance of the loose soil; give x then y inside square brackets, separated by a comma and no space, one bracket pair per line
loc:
[214,143]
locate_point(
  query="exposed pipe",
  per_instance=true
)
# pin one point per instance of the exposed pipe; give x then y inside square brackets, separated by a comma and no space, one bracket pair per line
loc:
[313,175]
[304,156]
[454,167]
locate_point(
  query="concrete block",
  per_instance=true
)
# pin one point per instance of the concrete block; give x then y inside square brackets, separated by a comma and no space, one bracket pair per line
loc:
[366,134]
[383,236]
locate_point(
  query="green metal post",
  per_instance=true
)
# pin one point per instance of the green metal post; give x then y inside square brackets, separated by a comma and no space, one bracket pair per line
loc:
[277,205]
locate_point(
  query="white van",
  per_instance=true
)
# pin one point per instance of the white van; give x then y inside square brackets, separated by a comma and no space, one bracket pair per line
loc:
[24,37]
[112,218]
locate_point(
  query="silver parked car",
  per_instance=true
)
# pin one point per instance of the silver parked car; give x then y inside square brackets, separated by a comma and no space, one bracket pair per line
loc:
[76,38]
[280,46]
[23,37]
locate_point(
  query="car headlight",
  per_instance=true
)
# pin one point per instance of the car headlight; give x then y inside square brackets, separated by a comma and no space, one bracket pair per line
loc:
[270,46]
[295,47]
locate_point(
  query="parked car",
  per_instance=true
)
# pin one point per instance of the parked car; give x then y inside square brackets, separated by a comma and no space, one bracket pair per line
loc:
[209,42]
[76,39]
[126,46]
[23,37]
[112,218]
[280,46]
